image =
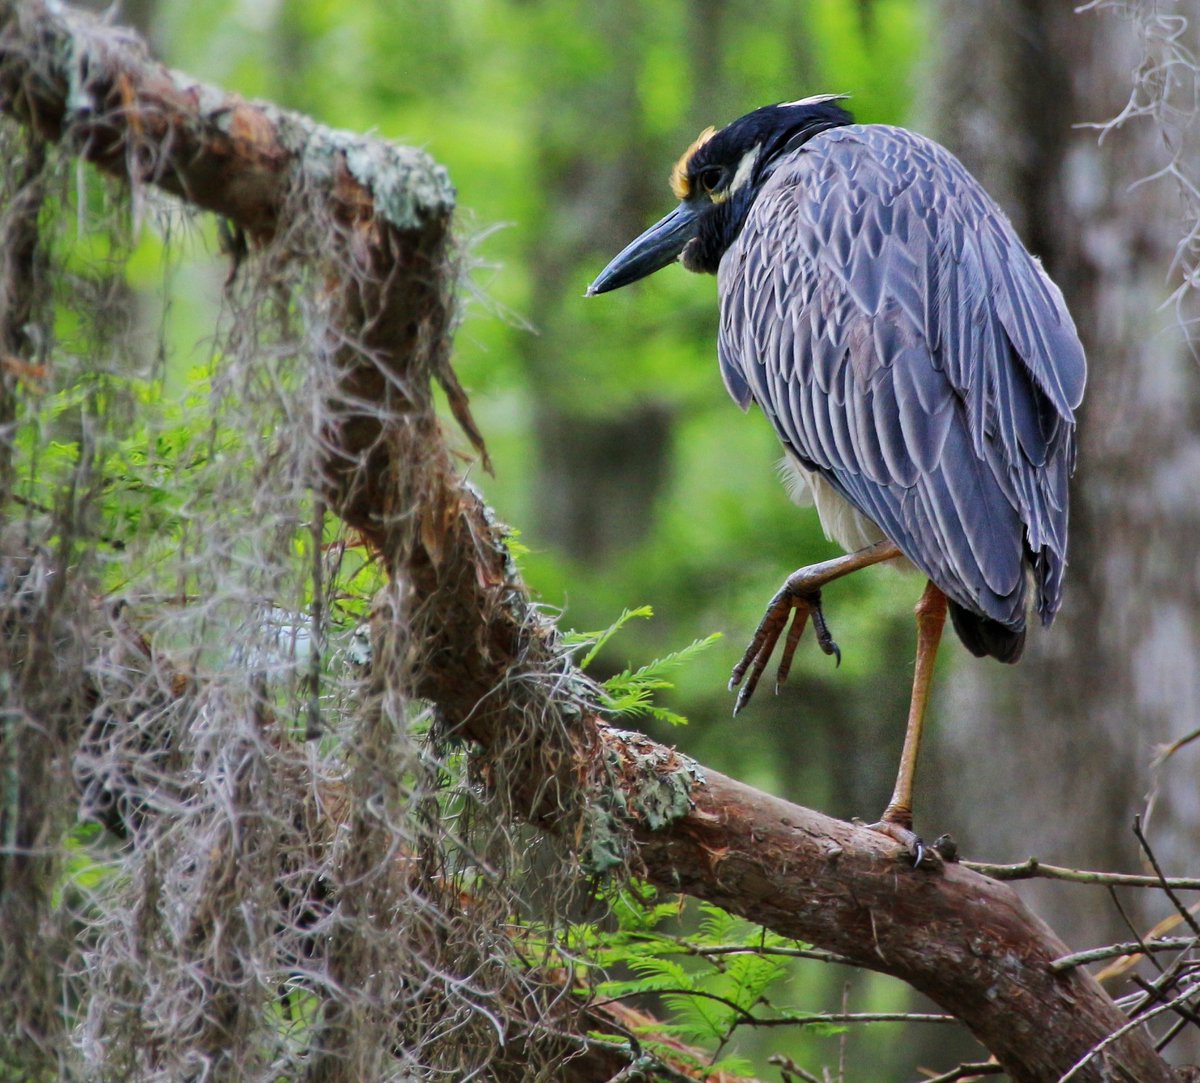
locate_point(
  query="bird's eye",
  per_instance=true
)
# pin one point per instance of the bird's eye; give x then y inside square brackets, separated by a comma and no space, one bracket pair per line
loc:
[709,178]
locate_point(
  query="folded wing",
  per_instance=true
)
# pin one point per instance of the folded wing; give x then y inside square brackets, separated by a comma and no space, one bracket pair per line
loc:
[883,314]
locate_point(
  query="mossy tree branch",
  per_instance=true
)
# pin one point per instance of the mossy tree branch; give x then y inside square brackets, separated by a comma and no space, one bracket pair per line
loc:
[475,648]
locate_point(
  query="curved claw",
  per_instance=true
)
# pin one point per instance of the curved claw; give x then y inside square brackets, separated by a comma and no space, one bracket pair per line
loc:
[913,844]
[825,638]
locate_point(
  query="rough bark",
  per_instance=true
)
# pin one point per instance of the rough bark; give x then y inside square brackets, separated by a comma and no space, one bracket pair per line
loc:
[491,667]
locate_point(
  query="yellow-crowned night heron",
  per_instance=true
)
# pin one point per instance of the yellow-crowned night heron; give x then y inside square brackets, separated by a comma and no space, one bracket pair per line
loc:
[919,366]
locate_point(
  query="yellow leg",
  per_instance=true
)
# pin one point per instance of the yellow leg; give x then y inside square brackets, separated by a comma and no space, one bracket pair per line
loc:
[931,618]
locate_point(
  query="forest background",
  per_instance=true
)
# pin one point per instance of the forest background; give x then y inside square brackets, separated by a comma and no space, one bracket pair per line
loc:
[632,479]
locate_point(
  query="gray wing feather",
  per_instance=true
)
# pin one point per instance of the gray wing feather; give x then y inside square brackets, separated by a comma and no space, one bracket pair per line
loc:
[881,311]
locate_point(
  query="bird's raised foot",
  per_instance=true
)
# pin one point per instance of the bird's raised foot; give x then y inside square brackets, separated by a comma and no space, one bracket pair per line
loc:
[801,595]
[789,601]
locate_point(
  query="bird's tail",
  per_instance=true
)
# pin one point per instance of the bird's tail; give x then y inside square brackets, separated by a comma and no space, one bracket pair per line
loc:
[985,637]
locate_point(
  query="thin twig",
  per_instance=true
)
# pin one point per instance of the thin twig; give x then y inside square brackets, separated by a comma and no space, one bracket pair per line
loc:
[788,1067]
[1183,910]
[1167,751]
[1129,947]
[766,949]
[1119,1033]
[845,1035]
[743,1016]
[1170,1035]
[1182,1010]
[748,1019]
[641,1059]
[1141,940]
[837,1018]
[966,1072]
[1166,980]
[1032,868]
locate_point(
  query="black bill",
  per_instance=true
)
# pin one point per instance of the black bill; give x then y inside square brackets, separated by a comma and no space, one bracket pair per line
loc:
[659,245]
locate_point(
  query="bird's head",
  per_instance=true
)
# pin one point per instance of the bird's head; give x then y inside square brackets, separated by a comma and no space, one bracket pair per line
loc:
[716,181]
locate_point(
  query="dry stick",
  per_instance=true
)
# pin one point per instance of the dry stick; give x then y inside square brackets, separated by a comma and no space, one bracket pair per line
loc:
[638,1068]
[788,1068]
[1153,991]
[746,1018]
[1032,868]
[1170,1035]
[690,948]
[1167,751]
[490,664]
[1116,900]
[845,1035]
[1116,1035]
[1168,978]
[966,1072]
[1129,947]
[1182,1010]
[1183,910]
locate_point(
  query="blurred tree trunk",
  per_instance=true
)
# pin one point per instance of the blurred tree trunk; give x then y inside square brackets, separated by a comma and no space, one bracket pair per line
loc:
[603,456]
[1053,758]
[598,468]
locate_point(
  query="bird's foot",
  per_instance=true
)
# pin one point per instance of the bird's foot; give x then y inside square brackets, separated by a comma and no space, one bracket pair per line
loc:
[913,844]
[798,603]
[897,826]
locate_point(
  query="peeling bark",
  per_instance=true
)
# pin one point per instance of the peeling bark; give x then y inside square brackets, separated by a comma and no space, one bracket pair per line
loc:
[475,647]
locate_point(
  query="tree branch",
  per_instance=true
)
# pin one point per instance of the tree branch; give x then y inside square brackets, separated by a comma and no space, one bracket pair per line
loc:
[1031,868]
[1131,947]
[480,652]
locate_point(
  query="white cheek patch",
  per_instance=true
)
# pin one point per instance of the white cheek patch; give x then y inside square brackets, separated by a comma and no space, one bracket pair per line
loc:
[744,169]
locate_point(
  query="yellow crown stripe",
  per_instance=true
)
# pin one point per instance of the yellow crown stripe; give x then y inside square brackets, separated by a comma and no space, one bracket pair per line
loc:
[681,185]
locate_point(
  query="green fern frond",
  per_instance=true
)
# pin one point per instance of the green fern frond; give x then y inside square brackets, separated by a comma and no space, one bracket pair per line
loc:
[630,693]
[716,925]
[699,1019]
[655,671]
[636,915]
[599,639]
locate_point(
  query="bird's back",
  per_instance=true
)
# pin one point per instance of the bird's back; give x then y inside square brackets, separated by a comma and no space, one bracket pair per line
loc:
[908,350]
